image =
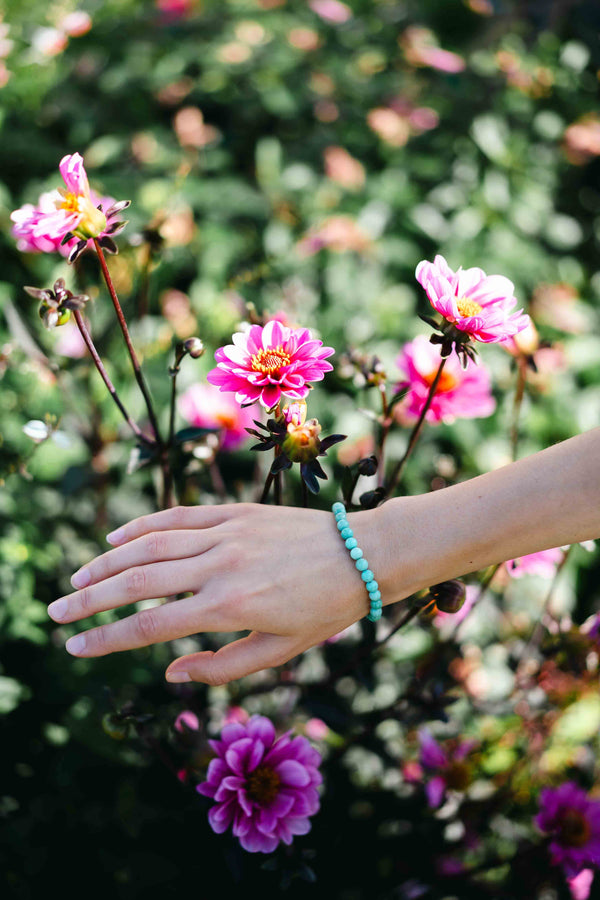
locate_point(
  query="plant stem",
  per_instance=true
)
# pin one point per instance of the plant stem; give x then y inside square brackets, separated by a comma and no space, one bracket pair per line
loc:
[104,375]
[385,430]
[519,392]
[414,437]
[139,376]
[268,482]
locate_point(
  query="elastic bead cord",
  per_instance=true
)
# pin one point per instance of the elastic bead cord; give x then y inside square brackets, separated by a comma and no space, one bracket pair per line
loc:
[362,566]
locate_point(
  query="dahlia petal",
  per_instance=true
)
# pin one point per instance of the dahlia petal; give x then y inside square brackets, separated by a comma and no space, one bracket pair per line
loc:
[241,824]
[492,289]
[435,790]
[292,773]
[245,802]
[235,354]
[73,174]
[282,804]
[266,821]
[257,751]
[299,825]
[206,789]
[262,728]
[220,817]
[255,842]
[235,731]
[270,396]
[217,770]
[467,280]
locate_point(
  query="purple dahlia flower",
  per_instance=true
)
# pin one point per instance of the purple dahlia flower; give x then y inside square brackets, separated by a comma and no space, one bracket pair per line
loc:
[266,789]
[572,820]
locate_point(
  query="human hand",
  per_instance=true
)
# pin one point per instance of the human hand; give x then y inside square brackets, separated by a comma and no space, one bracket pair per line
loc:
[281,573]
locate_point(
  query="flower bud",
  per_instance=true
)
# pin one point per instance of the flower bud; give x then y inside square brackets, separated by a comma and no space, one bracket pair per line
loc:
[449,596]
[295,413]
[367,466]
[194,347]
[301,442]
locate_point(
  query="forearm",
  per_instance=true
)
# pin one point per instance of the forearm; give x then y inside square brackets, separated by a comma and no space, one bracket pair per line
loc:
[549,499]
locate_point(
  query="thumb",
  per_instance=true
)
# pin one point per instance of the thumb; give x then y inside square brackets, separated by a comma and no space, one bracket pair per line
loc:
[242,657]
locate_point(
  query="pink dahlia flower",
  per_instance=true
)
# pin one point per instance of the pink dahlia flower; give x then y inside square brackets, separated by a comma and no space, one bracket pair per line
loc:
[267,363]
[204,406]
[73,212]
[573,821]
[266,789]
[474,303]
[543,563]
[581,885]
[460,394]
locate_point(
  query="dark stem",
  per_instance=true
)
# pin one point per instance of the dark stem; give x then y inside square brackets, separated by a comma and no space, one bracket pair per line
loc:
[519,393]
[104,375]
[415,434]
[139,376]
[386,424]
[277,489]
[268,482]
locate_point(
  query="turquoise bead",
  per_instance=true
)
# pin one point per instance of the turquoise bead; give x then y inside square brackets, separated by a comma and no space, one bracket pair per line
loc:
[376,604]
[347,532]
[361,564]
[338,507]
[342,523]
[356,553]
[366,575]
[372,586]
[374,616]
[374,595]
[340,515]
[351,543]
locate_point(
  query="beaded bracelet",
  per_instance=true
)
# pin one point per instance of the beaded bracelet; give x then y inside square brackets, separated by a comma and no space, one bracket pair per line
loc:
[347,535]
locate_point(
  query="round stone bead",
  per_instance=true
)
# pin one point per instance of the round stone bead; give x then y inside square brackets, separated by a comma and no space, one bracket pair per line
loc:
[351,543]
[340,515]
[374,595]
[338,507]
[346,532]
[372,586]
[367,575]
[374,616]
[356,553]
[361,564]
[342,523]
[376,604]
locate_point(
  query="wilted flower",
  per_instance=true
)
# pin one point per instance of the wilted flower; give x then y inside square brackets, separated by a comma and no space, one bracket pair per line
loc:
[70,214]
[447,764]
[264,788]
[460,393]
[270,362]
[57,303]
[572,820]
[543,563]
[204,406]
[473,305]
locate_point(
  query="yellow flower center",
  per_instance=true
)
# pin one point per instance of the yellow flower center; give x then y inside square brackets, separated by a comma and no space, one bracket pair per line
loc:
[468,307]
[447,381]
[574,829]
[271,360]
[262,785]
[69,201]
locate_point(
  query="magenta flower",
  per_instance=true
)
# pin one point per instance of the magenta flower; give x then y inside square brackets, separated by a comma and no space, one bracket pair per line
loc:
[71,214]
[573,821]
[543,563]
[266,789]
[581,885]
[461,393]
[204,406]
[447,766]
[474,304]
[267,363]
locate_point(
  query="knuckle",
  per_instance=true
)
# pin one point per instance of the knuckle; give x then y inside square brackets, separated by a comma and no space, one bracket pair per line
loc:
[216,675]
[135,582]
[85,600]
[156,544]
[145,624]
[178,515]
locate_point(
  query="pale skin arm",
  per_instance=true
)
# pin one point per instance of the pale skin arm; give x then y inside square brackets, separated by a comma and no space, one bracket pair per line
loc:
[284,575]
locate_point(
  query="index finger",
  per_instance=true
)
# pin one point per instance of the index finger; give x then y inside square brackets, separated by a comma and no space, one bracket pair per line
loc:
[178,517]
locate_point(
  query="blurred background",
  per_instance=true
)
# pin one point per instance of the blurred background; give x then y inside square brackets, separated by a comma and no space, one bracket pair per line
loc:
[282,157]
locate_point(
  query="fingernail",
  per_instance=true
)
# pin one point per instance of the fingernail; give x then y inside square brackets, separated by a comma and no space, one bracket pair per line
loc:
[116,537]
[75,645]
[81,579]
[58,609]
[178,677]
